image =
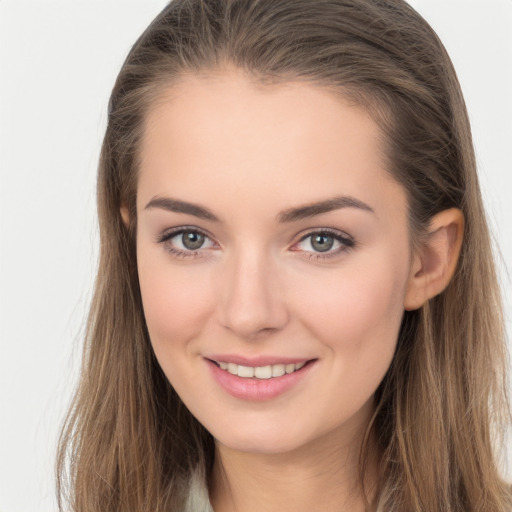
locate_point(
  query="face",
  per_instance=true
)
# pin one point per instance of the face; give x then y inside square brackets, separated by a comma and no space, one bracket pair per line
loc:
[273,257]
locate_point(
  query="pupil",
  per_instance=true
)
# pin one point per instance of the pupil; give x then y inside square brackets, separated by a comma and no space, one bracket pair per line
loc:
[192,240]
[322,243]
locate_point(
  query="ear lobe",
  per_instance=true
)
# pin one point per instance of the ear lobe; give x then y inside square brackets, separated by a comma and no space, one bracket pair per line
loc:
[435,259]
[125,215]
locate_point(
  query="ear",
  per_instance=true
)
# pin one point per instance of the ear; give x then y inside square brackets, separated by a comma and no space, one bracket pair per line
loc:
[435,260]
[125,215]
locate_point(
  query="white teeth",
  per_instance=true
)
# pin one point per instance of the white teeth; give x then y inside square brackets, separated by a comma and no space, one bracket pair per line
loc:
[263,372]
[278,370]
[246,371]
[289,368]
[260,372]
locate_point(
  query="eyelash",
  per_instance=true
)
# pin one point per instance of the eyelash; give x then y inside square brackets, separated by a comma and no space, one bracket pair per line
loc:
[347,243]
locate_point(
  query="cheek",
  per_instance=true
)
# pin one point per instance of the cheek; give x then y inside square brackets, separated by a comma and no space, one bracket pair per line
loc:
[177,300]
[357,311]
[356,318]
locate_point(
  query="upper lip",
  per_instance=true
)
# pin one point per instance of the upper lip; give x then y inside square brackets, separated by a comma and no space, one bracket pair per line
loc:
[256,361]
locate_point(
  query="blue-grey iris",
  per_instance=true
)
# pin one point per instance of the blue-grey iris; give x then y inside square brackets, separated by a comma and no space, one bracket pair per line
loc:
[192,240]
[322,243]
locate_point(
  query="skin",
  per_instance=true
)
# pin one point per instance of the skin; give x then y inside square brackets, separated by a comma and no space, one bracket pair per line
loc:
[257,286]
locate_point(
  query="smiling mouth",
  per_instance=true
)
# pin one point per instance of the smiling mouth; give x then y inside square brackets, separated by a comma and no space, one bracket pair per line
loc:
[260,372]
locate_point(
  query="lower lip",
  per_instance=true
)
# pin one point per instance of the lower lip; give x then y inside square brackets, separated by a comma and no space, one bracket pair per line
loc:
[257,389]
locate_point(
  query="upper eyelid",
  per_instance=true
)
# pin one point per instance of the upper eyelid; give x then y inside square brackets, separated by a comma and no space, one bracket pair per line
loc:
[167,234]
[331,231]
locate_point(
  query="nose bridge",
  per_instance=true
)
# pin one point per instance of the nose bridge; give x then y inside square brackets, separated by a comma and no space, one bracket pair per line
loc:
[252,301]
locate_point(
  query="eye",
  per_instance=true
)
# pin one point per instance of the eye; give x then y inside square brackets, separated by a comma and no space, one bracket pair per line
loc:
[185,242]
[325,243]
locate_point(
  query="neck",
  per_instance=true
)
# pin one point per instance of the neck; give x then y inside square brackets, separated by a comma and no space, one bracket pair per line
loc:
[313,477]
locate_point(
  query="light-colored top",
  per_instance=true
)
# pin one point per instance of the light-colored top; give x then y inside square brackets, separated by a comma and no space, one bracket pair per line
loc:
[197,497]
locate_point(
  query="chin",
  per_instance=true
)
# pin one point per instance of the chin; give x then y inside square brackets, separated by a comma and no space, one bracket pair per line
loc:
[269,437]
[263,443]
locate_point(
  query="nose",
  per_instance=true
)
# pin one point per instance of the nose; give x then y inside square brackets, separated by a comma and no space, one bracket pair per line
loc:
[252,301]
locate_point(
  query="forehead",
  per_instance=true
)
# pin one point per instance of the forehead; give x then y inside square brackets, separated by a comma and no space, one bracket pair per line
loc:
[213,103]
[295,140]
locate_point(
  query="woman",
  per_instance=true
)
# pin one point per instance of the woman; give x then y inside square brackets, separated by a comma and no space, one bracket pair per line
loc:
[296,306]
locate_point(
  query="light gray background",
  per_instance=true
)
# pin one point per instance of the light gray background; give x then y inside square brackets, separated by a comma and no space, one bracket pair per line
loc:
[58,62]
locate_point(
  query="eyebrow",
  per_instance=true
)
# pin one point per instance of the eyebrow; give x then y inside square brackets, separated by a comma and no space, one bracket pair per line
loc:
[177,206]
[289,215]
[310,210]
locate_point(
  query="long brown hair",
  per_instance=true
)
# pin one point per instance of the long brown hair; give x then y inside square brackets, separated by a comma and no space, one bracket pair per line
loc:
[129,443]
